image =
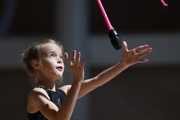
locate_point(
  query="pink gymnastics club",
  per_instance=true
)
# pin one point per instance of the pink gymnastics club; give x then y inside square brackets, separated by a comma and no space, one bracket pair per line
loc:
[164,4]
[113,35]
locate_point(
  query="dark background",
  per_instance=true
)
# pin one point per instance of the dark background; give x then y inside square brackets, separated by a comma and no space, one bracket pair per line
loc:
[127,16]
[147,93]
[136,16]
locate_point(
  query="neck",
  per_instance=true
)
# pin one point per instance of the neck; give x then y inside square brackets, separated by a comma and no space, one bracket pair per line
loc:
[47,84]
[46,81]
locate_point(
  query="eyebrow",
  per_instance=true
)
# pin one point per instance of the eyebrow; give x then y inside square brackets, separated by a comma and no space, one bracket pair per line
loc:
[52,51]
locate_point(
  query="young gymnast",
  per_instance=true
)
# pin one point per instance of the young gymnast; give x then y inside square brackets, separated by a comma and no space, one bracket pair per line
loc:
[44,60]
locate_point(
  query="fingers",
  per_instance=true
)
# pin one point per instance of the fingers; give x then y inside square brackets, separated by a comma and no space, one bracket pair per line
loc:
[75,60]
[133,56]
[143,61]
[83,62]
[125,46]
[138,49]
[67,58]
[144,52]
[79,60]
[74,55]
[79,57]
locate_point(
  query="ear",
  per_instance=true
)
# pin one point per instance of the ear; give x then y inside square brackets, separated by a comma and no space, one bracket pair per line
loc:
[35,64]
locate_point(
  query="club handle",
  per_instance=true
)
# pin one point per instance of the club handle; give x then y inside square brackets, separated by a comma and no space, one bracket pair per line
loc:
[115,39]
[106,19]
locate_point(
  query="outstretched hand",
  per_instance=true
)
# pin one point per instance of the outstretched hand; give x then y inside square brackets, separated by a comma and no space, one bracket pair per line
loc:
[76,67]
[133,56]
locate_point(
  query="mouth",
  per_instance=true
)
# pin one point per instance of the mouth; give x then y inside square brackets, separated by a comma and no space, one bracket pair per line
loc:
[60,68]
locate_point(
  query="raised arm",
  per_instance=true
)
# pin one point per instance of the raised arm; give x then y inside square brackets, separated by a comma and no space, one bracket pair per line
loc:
[130,57]
[77,70]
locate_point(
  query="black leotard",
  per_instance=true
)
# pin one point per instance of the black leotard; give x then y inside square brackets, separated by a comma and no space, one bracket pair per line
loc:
[56,97]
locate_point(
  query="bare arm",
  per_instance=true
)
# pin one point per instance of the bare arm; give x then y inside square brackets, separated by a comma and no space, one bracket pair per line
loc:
[67,107]
[130,57]
[39,98]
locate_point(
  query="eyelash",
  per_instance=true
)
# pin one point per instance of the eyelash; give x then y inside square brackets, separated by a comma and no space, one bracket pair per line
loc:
[61,56]
[54,55]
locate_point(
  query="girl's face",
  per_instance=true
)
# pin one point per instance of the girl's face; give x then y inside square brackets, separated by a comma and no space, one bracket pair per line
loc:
[52,61]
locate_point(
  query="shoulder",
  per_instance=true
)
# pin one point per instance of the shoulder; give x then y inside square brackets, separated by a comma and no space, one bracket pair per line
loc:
[65,88]
[36,92]
[36,97]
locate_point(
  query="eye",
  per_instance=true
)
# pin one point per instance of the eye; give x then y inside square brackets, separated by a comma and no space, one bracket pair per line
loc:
[61,56]
[52,55]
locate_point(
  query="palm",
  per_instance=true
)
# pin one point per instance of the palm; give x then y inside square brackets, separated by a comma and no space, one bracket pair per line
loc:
[77,69]
[133,56]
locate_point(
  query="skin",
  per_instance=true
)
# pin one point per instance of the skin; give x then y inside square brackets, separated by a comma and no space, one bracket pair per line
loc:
[52,68]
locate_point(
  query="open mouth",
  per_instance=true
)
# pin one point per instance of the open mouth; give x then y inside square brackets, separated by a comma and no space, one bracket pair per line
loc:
[60,68]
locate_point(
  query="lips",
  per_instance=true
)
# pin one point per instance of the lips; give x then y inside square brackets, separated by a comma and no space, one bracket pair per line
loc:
[60,68]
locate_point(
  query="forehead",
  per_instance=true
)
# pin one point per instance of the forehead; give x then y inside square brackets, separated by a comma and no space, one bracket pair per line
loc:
[48,47]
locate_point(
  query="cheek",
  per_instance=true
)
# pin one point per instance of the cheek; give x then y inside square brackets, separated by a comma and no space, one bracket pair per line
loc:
[47,64]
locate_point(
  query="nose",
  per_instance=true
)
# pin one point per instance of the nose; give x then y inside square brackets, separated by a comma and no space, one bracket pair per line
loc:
[59,60]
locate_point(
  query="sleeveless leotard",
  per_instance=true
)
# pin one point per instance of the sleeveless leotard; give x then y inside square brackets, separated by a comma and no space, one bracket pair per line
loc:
[57,97]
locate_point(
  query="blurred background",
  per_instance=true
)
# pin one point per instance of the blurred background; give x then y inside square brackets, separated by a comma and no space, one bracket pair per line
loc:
[142,92]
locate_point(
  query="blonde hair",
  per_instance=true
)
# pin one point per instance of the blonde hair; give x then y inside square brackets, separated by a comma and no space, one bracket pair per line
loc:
[33,53]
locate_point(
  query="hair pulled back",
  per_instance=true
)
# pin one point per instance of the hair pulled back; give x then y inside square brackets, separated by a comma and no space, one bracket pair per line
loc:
[33,52]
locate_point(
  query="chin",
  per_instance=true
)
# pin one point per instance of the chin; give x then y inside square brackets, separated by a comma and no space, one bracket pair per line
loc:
[59,76]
